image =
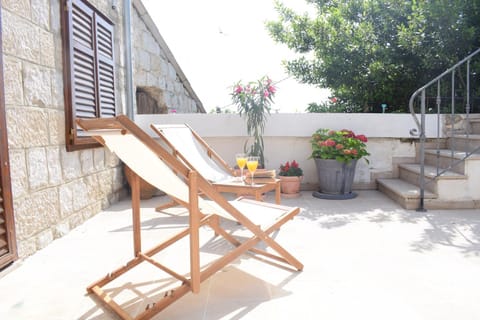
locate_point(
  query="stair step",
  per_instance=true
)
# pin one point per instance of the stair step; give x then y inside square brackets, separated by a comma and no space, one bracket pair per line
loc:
[404,188]
[447,153]
[475,125]
[431,171]
[464,142]
[472,136]
[402,192]
[408,196]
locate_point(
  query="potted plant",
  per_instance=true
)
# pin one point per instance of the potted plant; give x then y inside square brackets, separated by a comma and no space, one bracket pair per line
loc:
[336,153]
[253,100]
[290,176]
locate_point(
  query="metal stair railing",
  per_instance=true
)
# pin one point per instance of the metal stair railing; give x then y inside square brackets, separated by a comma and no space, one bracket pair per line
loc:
[420,130]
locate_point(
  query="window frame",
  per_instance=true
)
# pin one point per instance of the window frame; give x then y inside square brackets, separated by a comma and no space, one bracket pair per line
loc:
[96,61]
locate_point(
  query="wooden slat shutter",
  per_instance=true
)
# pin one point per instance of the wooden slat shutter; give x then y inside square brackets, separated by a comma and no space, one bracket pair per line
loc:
[106,68]
[89,69]
[8,246]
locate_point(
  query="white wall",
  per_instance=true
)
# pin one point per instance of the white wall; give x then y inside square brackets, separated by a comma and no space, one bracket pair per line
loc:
[287,138]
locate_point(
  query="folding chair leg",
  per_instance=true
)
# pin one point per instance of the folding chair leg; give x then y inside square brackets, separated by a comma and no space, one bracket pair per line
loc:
[170,204]
[278,197]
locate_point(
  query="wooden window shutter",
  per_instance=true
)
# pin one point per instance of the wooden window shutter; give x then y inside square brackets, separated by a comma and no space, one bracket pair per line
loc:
[8,246]
[89,69]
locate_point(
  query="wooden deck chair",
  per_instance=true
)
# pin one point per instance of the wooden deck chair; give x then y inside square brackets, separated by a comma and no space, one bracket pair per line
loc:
[186,144]
[151,162]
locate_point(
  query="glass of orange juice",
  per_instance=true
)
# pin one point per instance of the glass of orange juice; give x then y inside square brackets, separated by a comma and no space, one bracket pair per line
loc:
[252,164]
[241,159]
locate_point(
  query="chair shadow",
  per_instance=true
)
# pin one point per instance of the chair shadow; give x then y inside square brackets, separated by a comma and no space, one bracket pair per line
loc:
[230,291]
[192,304]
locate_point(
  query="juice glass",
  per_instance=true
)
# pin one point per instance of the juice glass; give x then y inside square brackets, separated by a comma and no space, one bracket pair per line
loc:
[241,159]
[252,164]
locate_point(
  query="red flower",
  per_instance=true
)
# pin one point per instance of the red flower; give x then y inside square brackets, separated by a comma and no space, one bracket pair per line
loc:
[348,133]
[362,138]
[339,146]
[290,169]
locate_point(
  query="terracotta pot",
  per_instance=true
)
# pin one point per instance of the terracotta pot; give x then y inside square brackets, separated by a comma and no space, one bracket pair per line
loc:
[146,190]
[290,184]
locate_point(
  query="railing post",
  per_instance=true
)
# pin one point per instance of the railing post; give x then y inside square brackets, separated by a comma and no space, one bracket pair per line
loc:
[467,108]
[439,102]
[421,206]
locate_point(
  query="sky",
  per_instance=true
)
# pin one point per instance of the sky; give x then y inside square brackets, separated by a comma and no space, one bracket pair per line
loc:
[220,42]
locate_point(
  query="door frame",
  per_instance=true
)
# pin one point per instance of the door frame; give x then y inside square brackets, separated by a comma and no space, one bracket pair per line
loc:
[6,190]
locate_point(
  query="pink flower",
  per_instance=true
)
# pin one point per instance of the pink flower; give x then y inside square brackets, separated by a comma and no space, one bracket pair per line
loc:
[339,146]
[294,164]
[272,89]
[266,93]
[330,143]
[333,100]
[239,89]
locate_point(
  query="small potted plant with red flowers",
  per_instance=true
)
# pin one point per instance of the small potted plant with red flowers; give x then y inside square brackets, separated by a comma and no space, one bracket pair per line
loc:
[336,153]
[290,176]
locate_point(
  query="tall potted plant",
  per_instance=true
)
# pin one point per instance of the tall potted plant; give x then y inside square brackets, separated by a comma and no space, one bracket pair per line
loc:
[336,153]
[253,100]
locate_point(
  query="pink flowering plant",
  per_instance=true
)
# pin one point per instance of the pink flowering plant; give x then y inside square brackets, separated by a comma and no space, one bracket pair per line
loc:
[290,169]
[342,145]
[253,100]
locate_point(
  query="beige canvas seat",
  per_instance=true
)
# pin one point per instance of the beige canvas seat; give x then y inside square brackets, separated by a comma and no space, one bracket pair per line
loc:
[151,162]
[186,144]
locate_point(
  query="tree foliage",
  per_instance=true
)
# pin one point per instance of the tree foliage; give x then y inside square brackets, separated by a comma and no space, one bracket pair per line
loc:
[370,52]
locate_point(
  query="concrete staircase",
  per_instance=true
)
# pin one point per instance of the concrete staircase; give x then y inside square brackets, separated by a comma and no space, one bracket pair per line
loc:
[458,187]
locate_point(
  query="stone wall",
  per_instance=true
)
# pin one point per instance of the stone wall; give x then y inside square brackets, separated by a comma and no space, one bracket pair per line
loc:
[155,70]
[55,190]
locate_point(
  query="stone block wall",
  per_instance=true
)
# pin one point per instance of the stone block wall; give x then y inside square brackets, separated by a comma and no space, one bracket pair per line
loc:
[154,69]
[53,190]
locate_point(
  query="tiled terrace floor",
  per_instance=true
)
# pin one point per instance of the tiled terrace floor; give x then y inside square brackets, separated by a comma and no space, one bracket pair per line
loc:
[365,258]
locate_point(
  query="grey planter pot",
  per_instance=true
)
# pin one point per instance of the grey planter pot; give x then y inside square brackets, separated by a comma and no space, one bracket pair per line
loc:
[335,179]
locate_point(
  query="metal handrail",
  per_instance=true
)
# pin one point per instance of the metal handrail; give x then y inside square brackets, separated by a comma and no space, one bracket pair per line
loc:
[418,91]
[420,130]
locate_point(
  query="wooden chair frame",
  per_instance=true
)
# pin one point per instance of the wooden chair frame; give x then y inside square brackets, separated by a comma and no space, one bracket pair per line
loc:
[256,190]
[196,185]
